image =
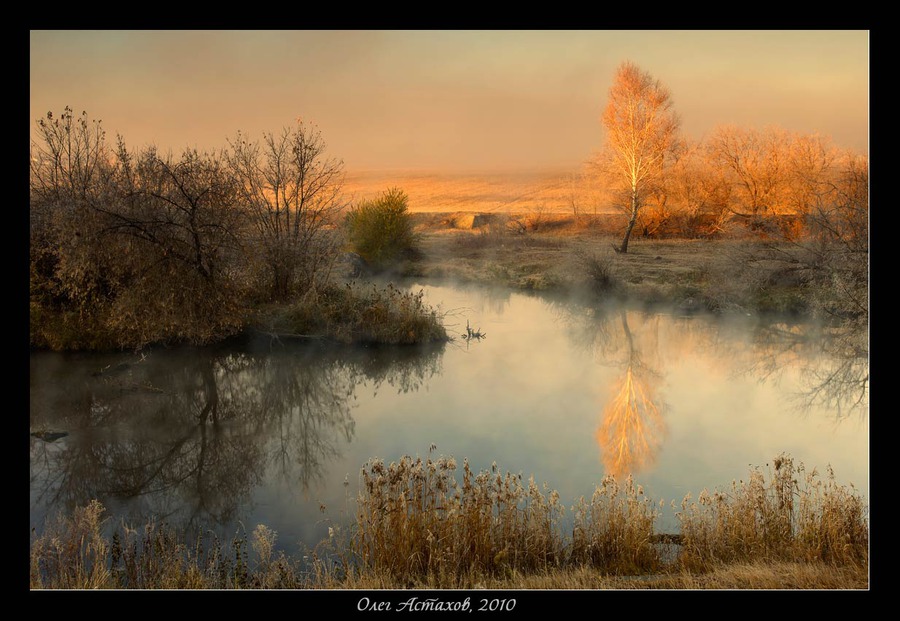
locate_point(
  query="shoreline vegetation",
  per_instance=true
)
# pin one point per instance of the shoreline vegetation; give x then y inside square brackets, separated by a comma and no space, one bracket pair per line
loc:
[132,247]
[417,525]
[362,305]
[721,277]
[136,248]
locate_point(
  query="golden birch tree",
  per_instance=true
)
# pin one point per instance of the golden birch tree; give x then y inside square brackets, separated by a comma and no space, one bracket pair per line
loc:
[642,128]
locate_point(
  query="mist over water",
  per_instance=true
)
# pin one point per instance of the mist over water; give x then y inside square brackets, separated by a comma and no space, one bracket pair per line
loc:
[274,432]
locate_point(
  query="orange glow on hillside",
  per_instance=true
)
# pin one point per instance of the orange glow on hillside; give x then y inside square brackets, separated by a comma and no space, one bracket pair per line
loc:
[547,191]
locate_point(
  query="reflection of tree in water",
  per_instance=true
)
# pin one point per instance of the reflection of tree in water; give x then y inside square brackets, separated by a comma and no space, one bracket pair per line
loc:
[842,383]
[494,300]
[833,363]
[303,415]
[631,429]
[189,436]
[160,436]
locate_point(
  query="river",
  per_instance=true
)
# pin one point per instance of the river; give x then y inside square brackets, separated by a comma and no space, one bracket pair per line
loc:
[267,431]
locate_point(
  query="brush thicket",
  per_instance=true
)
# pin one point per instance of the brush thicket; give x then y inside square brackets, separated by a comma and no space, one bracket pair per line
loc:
[614,532]
[417,526]
[414,520]
[355,314]
[791,515]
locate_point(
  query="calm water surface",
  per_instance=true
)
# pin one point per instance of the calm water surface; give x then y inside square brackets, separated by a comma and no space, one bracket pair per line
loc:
[276,433]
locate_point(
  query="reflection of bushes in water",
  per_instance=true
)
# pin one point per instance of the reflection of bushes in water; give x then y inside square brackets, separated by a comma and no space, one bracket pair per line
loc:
[194,441]
[404,369]
[418,526]
[840,383]
[178,444]
[599,330]
[833,364]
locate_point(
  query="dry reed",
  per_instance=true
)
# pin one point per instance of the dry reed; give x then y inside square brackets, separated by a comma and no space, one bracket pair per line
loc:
[794,515]
[417,526]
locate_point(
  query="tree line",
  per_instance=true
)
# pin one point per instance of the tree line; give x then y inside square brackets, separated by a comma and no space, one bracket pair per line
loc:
[134,246]
[781,183]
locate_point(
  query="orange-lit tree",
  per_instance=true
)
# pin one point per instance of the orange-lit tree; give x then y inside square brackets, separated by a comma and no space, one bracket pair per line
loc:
[642,128]
[755,164]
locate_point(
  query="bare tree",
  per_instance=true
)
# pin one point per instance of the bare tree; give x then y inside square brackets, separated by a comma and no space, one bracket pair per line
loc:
[178,223]
[838,253]
[70,172]
[130,248]
[69,162]
[293,193]
[811,165]
[755,164]
[642,128]
[573,182]
[185,207]
[692,195]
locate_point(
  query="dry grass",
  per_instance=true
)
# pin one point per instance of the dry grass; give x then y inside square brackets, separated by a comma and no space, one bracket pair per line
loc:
[418,527]
[614,532]
[773,575]
[358,314]
[794,515]
[583,261]
[719,276]
[741,268]
[72,552]
[415,522]
[781,576]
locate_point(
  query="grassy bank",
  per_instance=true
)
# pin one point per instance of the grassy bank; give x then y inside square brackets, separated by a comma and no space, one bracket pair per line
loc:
[352,313]
[700,275]
[419,526]
[742,274]
[355,313]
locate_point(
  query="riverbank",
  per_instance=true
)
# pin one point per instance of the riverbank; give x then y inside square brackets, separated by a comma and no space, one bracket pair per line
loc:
[354,312]
[730,275]
[417,526]
[739,273]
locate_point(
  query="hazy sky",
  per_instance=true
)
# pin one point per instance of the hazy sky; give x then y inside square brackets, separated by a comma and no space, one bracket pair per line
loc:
[451,100]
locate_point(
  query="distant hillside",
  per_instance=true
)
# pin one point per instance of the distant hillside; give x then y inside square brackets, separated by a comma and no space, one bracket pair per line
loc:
[548,192]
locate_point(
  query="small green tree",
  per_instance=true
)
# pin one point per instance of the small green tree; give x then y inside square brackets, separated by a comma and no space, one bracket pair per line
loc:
[381,230]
